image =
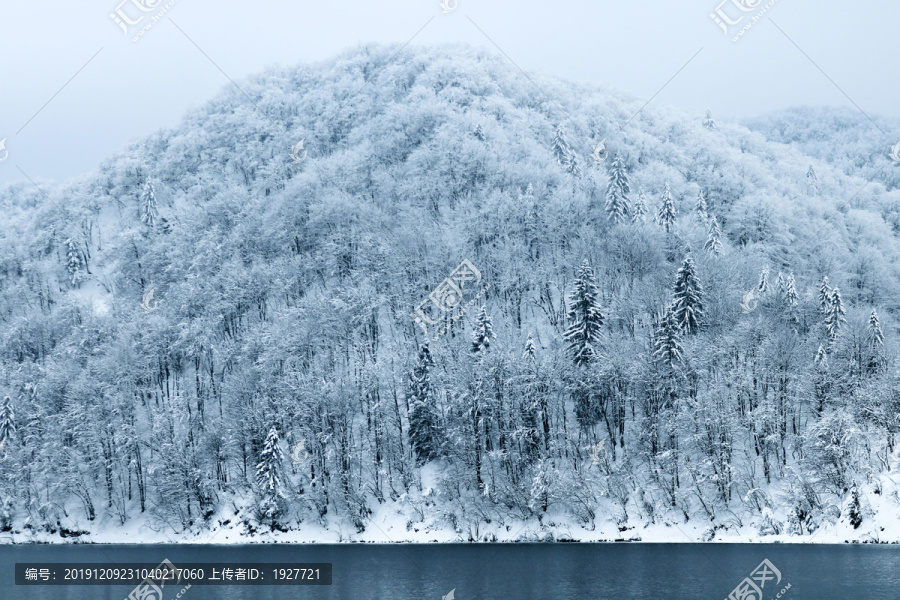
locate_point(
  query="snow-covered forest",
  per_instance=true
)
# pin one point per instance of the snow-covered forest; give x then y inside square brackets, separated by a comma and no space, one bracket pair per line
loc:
[622,316]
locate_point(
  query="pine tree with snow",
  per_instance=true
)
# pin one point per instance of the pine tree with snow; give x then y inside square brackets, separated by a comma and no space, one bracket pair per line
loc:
[270,469]
[479,133]
[763,286]
[7,421]
[149,210]
[530,353]
[74,263]
[617,204]
[854,510]
[585,317]
[791,297]
[713,243]
[708,122]
[812,181]
[481,336]
[702,208]
[423,419]
[780,287]
[687,307]
[836,315]
[639,211]
[667,350]
[876,335]
[824,296]
[560,147]
[876,344]
[667,214]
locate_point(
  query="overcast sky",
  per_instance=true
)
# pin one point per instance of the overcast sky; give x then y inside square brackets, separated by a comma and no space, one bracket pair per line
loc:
[74,88]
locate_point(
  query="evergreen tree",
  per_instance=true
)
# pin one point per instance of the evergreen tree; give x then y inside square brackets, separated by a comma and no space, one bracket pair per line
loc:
[708,122]
[617,204]
[479,133]
[149,210]
[530,353]
[270,480]
[791,297]
[812,181]
[713,243]
[639,211]
[824,296]
[560,147]
[763,286]
[688,305]
[74,263]
[270,469]
[423,418]
[876,335]
[854,510]
[667,350]
[7,421]
[780,287]
[702,209]
[481,336]
[667,215]
[836,315]
[585,317]
[876,344]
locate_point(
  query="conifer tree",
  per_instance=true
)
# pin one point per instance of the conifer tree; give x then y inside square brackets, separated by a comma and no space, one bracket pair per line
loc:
[702,209]
[780,287]
[74,263]
[763,286]
[713,243]
[708,122]
[854,510]
[824,296]
[639,211]
[667,215]
[423,419]
[149,210]
[270,469]
[835,317]
[7,421]
[481,336]
[585,317]
[791,297]
[876,344]
[812,181]
[667,350]
[687,307]
[617,204]
[530,353]
[479,133]
[561,148]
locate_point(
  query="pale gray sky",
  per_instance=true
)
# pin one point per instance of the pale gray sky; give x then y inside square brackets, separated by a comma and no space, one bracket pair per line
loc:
[129,90]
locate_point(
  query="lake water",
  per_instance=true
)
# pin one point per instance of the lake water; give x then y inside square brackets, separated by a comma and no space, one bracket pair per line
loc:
[501,571]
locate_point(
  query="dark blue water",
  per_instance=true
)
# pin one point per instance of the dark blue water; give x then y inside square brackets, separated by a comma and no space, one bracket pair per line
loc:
[503,571]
